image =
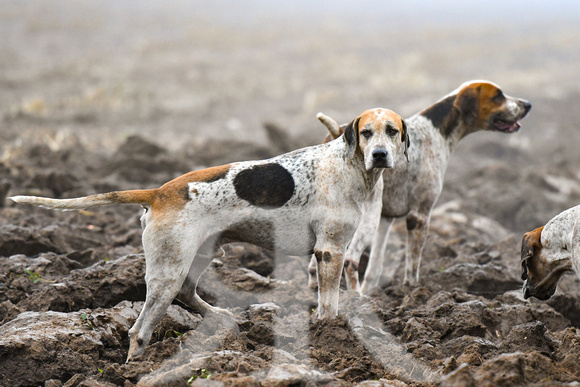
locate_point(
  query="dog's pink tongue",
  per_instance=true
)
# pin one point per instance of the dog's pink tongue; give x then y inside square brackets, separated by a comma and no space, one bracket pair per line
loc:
[515,126]
[504,125]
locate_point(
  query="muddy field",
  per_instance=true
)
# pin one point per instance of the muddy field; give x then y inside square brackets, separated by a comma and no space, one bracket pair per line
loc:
[97,97]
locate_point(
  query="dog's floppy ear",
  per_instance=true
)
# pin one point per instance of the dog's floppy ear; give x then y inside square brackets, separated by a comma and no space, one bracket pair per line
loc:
[405,139]
[530,245]
[467,102]
[351,136]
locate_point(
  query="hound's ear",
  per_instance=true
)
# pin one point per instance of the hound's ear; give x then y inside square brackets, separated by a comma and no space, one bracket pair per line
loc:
[405,139]
[467,102]
[351,136]
[531,243]
[526,253]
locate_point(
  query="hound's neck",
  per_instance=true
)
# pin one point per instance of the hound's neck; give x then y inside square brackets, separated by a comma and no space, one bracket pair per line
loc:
[446,118]
[456,134]
[367,179]
[370,178]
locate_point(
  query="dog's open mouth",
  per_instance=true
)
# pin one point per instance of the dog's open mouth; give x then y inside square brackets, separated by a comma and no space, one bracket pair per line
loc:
[547,287]
[506,126]
[381,164]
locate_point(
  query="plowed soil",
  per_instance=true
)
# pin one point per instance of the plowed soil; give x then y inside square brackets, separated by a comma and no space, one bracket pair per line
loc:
[84,111]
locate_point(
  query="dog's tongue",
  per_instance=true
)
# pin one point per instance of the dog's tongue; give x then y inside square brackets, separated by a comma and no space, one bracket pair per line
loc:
[515,127]
[506,126]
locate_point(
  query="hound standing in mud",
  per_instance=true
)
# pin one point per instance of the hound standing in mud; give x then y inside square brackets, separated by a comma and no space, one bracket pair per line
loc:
[550,251]
[303,202]
[412,189]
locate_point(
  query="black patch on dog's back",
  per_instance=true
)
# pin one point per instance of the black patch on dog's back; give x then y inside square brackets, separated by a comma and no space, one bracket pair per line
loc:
[267,185]
[441,115]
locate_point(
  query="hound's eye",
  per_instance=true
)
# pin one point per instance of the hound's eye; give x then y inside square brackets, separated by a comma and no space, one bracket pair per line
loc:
[392,132]
[498,97]
[366,133]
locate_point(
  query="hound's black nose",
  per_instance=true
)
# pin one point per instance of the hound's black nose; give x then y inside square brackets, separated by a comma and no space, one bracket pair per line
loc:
[527,106]
[379,154]
[527,293]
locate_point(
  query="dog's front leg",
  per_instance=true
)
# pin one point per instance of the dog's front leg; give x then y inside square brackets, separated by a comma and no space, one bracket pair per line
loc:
[366,232]
[329,263]
[377,256]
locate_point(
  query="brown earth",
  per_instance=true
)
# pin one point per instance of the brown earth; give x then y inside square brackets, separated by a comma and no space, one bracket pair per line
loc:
[89,104]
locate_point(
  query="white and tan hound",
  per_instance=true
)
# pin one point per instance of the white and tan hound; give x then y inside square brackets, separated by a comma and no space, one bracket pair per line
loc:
[303,202]
[411,189]
[550,251]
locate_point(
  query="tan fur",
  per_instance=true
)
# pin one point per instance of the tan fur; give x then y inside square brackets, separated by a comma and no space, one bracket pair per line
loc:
[174,194]
[486,106]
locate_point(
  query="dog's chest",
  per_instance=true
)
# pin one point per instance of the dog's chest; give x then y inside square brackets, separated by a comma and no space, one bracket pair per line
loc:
[421,179]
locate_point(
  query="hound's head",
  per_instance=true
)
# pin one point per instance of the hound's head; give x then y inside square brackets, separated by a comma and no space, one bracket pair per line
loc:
[540,271]
[376,136]
[483,106]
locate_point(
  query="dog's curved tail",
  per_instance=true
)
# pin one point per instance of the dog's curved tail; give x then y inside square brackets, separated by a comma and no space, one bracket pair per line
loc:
[143,197]
[332,126]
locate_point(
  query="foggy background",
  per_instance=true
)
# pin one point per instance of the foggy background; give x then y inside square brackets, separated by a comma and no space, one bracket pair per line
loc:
[183,72]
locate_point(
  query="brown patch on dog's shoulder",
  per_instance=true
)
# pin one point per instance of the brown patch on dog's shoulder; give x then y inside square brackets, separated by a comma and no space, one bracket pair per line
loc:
[443,115]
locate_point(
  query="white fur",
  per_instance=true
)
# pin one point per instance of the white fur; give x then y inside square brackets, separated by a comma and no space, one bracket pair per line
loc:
[559,238]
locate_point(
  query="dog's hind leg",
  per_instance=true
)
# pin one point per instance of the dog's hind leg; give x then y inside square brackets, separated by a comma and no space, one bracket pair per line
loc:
[168,260]
[188,293]
[363,237]
[359,243]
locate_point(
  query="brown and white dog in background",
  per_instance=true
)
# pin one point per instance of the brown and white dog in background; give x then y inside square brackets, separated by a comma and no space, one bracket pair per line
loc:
[550,251]
[303,202]
[412,189]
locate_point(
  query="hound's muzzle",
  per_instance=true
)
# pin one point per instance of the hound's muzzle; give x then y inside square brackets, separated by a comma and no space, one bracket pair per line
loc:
[381,159]
[542,294]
